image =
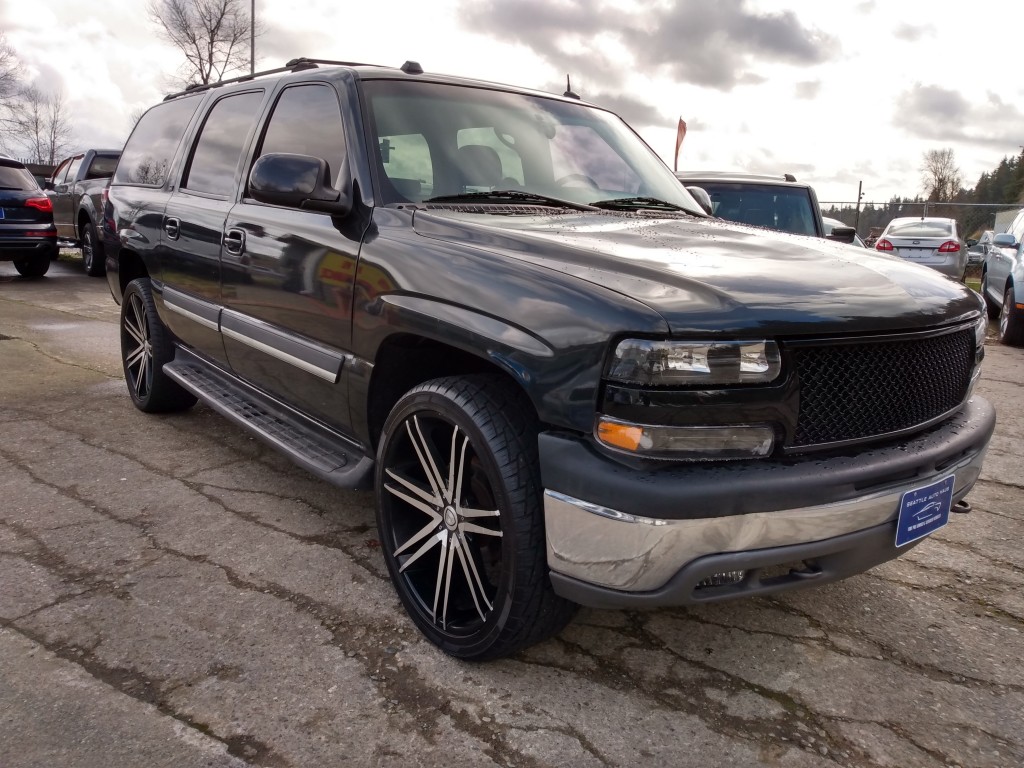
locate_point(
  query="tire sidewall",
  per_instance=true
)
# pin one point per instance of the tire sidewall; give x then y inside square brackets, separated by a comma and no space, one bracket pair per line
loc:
[1013,335]
[432,403]
[165,395]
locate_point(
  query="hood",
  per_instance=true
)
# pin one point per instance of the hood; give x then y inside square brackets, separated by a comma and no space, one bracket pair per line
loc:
[709,274]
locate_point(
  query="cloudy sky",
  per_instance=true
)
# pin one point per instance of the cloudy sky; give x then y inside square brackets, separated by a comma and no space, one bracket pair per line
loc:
[834,92]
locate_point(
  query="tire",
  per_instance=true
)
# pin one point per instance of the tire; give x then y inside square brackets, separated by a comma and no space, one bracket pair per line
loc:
[32,266]
[993,308]
[92,252]
[465,545]
[145,347]
[1011,320]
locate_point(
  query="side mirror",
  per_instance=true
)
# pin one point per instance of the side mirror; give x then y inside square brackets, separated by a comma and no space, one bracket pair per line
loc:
[299,181]
[842,234]
[1004,240]
[702,197]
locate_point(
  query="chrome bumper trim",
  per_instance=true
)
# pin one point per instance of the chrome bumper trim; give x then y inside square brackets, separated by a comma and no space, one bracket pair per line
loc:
[592,543]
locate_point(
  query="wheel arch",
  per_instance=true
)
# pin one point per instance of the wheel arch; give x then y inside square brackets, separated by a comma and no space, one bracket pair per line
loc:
[129,267]
[405,360]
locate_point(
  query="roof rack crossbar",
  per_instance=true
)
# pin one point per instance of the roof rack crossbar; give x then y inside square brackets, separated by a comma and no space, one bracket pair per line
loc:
[304,60]
[295,65]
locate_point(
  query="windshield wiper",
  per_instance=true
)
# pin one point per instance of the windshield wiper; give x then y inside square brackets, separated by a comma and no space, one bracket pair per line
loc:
[638,203]
[511,196]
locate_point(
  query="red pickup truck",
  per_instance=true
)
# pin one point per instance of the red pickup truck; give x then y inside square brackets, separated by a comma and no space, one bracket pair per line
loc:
[76,189]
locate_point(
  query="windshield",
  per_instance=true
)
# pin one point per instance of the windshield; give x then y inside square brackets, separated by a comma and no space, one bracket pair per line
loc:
[787,209]
[438,140]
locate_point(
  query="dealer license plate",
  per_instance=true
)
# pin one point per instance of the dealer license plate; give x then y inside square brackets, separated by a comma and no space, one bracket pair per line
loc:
[924,511]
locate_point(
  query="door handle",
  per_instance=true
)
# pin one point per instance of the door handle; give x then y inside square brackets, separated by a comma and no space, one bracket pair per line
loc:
[234,241]
[172,226]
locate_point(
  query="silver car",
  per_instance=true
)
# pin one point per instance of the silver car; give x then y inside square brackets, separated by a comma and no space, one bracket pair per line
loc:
[933,242]
[977,250]
[1002,282]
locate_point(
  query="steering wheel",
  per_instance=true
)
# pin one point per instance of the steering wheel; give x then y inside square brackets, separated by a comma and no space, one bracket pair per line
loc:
[566,180]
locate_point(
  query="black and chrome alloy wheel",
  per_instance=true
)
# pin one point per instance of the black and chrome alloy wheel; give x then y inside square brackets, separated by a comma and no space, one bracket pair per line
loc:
[458,507]
[145,347]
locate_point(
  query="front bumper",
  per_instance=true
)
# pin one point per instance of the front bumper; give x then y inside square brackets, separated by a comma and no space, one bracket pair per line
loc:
[620,536]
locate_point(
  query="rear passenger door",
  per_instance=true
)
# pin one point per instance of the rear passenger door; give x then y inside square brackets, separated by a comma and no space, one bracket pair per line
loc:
[289,273]
[193,221]
[63,203]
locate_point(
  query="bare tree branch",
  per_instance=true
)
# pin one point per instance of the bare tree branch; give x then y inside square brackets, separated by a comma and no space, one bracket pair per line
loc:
[209,33]
[41,128]
[11,85]
[940,175]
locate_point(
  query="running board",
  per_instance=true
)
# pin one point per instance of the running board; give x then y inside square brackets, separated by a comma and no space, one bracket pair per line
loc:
[314,448]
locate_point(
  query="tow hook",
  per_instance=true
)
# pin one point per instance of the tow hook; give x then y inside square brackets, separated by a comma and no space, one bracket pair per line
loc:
[962,507]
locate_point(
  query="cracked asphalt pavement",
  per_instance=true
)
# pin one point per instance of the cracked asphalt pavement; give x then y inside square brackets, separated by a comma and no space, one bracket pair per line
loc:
[173,593]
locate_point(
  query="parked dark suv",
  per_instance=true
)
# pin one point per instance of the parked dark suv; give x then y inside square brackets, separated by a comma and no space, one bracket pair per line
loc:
[564,382]
[775,202]
[27,234]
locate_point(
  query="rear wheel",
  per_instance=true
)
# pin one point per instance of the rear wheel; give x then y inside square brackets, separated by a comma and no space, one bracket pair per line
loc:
[92,252]
[1011,320]
[32,266]
[993,308]
[459,513]
[145,347]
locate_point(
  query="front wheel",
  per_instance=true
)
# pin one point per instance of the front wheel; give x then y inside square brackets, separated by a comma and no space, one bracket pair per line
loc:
[145,347]
[1011,320]
[460,520]
[92,252]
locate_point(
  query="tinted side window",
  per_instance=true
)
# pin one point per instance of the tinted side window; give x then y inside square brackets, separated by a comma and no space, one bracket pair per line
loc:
[220,144]
[1017,228]
[75,165]
[147,155]
[307,121]
[102,167]
[61,172]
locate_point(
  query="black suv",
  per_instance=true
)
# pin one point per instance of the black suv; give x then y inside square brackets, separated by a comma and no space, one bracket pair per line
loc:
[774,202]
[27,234]
[565,383]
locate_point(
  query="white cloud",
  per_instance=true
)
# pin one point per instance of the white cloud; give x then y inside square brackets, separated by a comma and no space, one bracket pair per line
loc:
[835,93]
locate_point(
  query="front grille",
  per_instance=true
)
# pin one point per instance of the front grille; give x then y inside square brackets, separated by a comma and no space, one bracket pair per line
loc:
[856,391]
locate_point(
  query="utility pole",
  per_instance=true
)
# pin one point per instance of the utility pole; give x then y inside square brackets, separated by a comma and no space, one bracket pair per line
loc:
[252,37]
[860,196]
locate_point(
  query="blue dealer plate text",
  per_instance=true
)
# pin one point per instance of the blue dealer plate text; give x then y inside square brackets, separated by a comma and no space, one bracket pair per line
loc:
[924,511]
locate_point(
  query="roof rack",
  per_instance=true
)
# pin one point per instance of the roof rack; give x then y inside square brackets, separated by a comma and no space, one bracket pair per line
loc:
[295,65]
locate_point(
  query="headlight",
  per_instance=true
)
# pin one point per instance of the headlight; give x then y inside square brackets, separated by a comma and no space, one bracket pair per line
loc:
[695,363]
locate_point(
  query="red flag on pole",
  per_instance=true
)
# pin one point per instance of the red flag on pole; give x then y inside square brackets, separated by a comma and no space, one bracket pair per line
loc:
[680,135]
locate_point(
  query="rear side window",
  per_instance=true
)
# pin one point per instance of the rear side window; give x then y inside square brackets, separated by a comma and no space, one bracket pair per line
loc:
[101,167]
[147,156]
[14,177]
[307,121]
[221,141]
